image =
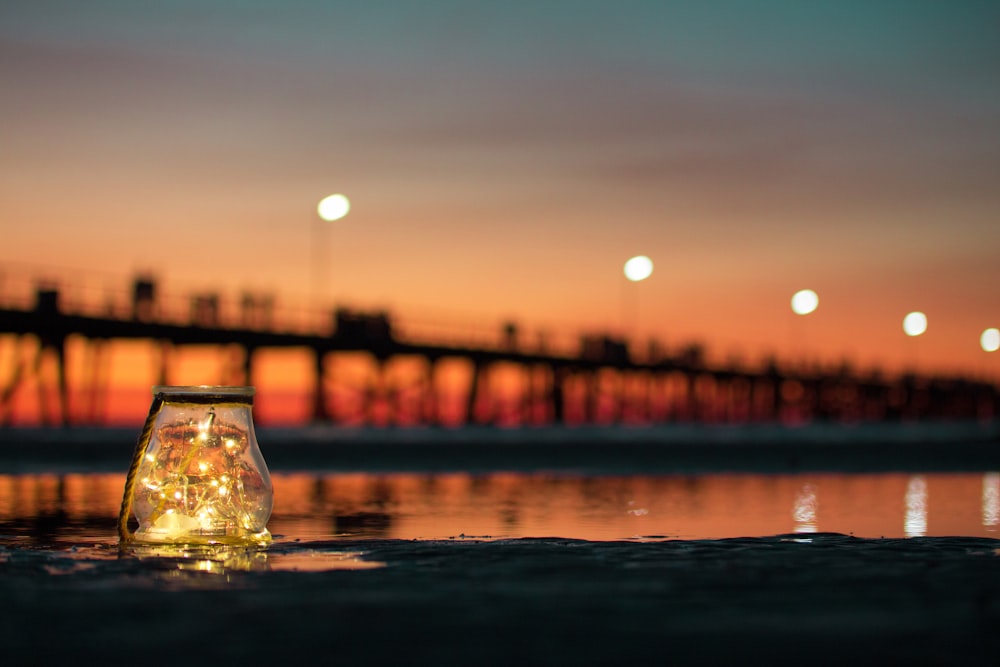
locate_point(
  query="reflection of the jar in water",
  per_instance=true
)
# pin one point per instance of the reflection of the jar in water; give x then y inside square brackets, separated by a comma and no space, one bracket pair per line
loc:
[208,558]
[221,559]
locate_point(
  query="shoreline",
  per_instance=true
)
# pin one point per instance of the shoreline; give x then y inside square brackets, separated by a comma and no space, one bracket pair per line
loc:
[946,447]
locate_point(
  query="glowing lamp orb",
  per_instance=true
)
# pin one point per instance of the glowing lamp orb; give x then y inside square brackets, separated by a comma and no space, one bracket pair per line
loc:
[804,302]
[914,323]
[333,207]
[638,268]
[990,340]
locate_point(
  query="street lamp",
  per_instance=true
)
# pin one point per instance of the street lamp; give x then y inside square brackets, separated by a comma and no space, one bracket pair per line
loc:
[804,302]
[990,340]
[914,324]
[636,270]
[331,208]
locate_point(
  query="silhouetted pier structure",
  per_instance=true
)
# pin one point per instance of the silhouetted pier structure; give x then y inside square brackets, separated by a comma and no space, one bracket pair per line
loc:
[601,382]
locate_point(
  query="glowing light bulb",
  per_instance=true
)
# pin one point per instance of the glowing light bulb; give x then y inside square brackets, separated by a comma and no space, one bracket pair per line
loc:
[638,268]
[333,207]
[990,340]
[915,323]
[804,302]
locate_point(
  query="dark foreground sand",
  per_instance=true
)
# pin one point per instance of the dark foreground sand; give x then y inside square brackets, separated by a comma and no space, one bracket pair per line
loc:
[830,599]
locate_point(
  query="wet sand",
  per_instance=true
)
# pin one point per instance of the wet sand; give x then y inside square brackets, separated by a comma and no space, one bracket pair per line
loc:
[825,599]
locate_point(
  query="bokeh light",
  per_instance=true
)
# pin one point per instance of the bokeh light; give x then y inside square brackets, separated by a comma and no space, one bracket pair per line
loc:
[915,323]
[638,268]
[990,340]
[804,302]
[333,207]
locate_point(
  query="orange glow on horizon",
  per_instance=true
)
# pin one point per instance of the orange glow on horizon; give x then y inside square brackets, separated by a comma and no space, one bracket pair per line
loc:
[117,390]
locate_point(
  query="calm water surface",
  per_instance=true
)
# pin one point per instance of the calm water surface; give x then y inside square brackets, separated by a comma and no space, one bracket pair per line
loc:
[309,506]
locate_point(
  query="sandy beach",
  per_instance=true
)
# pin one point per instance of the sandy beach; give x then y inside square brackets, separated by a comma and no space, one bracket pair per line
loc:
[825,600]
[822,598]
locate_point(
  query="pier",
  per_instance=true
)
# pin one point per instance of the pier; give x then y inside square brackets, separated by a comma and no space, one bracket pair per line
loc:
[603,379]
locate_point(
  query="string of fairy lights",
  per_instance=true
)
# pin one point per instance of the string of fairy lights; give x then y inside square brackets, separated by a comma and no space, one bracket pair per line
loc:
[202,479]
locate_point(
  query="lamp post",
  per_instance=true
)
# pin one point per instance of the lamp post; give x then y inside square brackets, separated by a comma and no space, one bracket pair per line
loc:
[636,270]
[804,302]
[914,325]
[989,340]
[331,208]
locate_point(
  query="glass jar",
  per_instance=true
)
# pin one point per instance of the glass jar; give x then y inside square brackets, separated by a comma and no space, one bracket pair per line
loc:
[197,475]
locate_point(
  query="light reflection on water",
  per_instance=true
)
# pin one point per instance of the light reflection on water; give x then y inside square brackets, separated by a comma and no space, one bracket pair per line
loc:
[991,499]
[224,559]
[804,512]
[79,508]
[915,524]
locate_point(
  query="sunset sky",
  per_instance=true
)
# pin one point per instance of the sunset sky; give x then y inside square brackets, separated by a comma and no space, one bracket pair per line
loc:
[504,159]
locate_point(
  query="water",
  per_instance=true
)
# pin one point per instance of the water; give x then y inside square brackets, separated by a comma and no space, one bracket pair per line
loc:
[83,507]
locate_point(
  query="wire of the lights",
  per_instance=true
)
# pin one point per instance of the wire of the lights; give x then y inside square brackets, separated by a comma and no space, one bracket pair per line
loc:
[141,445]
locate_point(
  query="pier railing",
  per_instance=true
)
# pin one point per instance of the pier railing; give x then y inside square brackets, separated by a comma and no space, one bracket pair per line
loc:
[592,379]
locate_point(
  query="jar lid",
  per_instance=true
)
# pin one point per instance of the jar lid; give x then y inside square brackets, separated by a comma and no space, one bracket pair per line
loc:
[205,393]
